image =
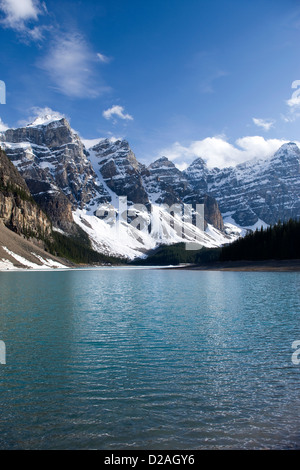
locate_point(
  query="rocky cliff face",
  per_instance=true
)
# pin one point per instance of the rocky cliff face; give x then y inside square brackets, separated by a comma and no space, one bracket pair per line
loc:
[18,210]
[259,190]
[197,174]
[165,184]
[120,170]
[53,161]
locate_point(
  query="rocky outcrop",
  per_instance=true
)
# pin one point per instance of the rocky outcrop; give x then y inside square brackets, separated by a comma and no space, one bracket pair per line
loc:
[164,183]
[18,211]
[54,203]
[120,170]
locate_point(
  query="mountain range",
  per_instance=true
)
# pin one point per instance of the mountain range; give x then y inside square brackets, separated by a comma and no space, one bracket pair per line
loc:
[85,187]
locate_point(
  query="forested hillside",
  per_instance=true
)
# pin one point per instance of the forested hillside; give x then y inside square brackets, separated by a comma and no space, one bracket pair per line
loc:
[280,241]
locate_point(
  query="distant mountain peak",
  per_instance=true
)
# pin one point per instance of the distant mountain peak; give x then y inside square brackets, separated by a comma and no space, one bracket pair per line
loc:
[290,144]
[162,162]
[198,163]
[47,118]
[111,143]
[288,147]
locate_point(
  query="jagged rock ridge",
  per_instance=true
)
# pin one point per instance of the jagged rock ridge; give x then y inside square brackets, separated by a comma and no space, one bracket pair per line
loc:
[120,169]
[265,189]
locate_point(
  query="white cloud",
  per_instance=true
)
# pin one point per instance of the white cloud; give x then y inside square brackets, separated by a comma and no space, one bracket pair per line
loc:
[116,111]
[69,64]
[293,104]
[292,116]
[266,125]
[217,152]
[294,101]
[3,127]
[19,10]
[103,58]
[68,60]
[18,13]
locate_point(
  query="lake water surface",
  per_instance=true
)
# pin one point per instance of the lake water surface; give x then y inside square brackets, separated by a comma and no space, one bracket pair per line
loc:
[119,358]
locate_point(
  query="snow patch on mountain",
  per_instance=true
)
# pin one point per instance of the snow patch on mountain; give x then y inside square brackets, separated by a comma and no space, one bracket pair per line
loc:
[45,263]
[133,239]
[230,222]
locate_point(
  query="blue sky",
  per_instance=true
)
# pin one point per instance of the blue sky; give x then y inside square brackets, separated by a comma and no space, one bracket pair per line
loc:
[181,78]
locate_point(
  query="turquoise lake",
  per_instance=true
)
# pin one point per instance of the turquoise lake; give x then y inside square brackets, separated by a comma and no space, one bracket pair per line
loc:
[118,358]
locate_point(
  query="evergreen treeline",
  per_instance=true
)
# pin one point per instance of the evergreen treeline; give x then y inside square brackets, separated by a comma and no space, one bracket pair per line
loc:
[280,241]
[9,189]
[77,249]
[176,254]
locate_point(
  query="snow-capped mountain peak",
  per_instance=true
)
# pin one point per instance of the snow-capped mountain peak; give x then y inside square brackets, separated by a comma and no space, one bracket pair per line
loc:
[45,119]
[162,162]
[288,146]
